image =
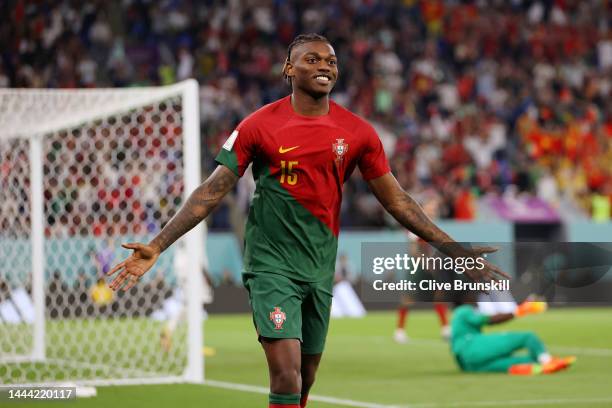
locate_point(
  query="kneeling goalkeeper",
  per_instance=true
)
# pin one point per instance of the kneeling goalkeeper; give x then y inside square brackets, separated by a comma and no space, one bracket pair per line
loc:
[497,352]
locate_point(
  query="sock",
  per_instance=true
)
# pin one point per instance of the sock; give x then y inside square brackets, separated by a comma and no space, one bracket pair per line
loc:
[284,400]
[544,358]
[304,400]
[402,312]
[441,310]
[525,369]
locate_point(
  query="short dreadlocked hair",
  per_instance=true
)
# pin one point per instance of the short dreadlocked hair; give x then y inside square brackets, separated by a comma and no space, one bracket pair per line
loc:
[301,39]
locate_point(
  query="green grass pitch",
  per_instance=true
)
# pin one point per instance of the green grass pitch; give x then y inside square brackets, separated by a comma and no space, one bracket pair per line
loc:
[363,364]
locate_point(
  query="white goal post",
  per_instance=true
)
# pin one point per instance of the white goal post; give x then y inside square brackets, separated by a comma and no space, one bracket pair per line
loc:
[82,171]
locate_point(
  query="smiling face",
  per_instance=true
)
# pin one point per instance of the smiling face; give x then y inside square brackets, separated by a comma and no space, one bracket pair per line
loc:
[313,68]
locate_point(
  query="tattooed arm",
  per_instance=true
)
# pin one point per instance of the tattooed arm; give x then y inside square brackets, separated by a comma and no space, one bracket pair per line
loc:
[405,210]
[410,214]
[197,207]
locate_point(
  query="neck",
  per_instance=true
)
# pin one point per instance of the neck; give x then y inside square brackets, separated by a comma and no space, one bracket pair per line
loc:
[306,105]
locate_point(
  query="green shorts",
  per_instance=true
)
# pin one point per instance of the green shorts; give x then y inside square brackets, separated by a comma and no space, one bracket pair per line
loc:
[284,308]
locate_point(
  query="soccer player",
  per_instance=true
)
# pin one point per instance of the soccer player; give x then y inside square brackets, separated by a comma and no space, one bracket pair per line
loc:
[496,352]
[303,147]
[103,258]
[418,247]
[439,300]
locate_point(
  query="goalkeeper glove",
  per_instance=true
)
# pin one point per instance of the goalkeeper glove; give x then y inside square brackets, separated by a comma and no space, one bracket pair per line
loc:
[530,307]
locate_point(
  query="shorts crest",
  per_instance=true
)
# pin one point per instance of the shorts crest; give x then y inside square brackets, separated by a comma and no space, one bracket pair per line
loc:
[278,317]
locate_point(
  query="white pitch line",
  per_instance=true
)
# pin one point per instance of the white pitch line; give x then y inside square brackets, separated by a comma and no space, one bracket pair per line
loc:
[555,401]
[361,404]
[348,403]
[319,398]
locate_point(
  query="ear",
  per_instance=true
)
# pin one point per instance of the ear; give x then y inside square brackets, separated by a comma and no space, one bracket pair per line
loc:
[288,69]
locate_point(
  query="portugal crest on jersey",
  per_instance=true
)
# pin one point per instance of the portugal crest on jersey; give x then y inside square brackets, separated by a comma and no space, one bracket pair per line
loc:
[339,148]
[278,317]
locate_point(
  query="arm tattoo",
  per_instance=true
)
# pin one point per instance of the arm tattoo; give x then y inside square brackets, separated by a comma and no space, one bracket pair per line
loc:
[410,214]
[197,207]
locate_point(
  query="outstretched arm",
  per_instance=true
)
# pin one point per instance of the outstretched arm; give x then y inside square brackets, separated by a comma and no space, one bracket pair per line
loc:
[526,308]
[405,209]
[500,318]
[410,214]
[197,207]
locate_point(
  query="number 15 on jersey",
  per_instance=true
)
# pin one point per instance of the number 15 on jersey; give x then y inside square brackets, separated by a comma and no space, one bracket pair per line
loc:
[287,173]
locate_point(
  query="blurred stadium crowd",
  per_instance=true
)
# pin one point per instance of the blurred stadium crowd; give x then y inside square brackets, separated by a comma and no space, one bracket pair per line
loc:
[470,98]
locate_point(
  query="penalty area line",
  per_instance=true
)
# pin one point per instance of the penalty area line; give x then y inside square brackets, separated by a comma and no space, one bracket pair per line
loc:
[319,398]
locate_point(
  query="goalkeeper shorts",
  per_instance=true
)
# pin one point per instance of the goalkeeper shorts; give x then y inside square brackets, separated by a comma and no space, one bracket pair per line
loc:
[285,308]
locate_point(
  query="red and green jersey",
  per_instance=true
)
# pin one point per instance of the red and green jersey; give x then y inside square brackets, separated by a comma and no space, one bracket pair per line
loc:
[300,164]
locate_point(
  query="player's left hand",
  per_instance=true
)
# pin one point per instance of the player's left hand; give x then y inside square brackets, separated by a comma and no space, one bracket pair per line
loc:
[489,271]
[530,307]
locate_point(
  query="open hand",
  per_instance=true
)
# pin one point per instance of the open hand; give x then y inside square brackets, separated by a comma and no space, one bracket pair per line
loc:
[490,271]
[130,270]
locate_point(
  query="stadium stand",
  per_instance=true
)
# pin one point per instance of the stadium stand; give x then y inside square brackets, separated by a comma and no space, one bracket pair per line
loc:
[484,105]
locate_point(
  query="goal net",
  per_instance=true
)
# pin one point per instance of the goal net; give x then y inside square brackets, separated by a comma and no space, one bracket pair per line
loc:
[82,171]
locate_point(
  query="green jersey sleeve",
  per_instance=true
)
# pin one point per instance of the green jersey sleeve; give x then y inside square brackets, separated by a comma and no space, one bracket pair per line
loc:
[466,321]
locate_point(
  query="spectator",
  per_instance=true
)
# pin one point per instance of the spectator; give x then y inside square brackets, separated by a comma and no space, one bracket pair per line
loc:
[455,83]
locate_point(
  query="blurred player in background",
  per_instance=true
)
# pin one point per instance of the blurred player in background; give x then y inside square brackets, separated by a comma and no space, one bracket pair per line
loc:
[103,257]
[496,352]
[175,315]
[100,293]
[303,147]
[418,247]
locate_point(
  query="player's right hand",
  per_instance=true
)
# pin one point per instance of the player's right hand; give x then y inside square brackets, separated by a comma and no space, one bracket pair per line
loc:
[130,270]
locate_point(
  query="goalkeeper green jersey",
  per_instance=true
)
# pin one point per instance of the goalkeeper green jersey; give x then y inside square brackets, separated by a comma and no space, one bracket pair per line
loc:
[466,323]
